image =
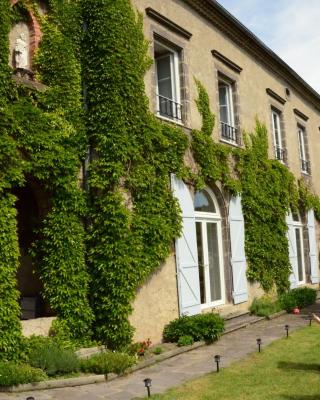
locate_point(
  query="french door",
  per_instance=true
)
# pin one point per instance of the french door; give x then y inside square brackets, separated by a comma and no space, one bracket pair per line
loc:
[210,259]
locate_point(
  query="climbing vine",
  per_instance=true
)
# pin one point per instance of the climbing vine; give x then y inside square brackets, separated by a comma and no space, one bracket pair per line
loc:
[213,158]
[133,214]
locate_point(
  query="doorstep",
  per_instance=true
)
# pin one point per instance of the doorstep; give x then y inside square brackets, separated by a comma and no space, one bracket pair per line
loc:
[91,379]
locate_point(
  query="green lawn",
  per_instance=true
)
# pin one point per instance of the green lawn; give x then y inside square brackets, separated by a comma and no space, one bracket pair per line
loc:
[288,369]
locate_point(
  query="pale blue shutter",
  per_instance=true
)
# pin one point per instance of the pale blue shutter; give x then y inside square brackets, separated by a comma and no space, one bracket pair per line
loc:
[314,262]
[187,253]
[238,258]
[293,257]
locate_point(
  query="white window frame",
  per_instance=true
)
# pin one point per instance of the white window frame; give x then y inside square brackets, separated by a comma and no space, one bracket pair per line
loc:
[298,225]
[302,147]
[204,218]
[277,133]
[230,107]
[175,81]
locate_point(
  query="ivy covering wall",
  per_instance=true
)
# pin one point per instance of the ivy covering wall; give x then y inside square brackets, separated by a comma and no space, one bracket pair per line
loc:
[94,248]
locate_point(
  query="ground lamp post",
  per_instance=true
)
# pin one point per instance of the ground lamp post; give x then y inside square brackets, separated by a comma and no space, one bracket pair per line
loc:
[287,330]
[310,319]
[217,359]
[259,342]
[147,384]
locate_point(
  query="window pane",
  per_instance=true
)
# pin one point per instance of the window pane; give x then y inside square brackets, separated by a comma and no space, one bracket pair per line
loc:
[301,144]
[203,202]
[299,253]
[201,263]
[276,129]
[164,76]
[214,262]
[224,103]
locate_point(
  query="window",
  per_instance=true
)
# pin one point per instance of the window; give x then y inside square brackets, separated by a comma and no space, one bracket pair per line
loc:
[298,231]
[305,165]
[227,121]
[280,152]
[168,82]
[209,243]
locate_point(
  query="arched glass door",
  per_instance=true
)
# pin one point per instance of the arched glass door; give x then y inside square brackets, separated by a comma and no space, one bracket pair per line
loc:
[298,230]
[209,242]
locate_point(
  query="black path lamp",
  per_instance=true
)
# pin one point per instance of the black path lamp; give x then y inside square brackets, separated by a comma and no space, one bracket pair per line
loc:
[310,319]
[147,384]
[286,327]
[259,342]
[217,359]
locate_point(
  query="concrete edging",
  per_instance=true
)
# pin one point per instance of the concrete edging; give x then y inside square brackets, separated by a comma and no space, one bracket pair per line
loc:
[91,379]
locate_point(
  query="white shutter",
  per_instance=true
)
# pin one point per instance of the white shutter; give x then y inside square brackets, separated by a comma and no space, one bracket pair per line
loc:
[238,258]
[187,253]
[293,257]
[314,262]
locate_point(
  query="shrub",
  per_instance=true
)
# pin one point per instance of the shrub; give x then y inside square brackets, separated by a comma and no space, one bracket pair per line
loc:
[185,341]
[300,297]
[107,362]
[50,357]
[17,374]
[157,350]
[208,327]
[264,307]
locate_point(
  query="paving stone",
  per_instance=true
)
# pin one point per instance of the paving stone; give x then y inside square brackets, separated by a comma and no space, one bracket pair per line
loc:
[175,371]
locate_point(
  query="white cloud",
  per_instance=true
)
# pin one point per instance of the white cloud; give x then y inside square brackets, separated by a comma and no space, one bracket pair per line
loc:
[291,28]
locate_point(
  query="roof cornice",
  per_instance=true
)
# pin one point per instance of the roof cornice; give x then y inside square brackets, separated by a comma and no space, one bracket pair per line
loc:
[242,36]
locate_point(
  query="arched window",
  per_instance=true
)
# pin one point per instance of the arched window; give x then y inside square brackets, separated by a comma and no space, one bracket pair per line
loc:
[209,243]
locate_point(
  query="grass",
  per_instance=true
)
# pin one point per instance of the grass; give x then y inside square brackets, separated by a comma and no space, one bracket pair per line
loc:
[288,369]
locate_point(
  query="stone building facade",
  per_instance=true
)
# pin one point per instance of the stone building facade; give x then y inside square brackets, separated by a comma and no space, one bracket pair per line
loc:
[244,79]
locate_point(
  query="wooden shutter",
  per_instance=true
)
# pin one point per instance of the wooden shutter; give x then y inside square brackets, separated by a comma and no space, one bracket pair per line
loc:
[187,253]
[293,257]
[238,258]
[314,262]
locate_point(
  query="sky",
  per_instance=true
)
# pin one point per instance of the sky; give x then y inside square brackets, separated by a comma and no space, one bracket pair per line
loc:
[291,28]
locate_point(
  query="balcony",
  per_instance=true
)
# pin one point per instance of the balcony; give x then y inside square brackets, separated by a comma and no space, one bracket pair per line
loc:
[305,166]
[281,154]
[230,134]
[169,108]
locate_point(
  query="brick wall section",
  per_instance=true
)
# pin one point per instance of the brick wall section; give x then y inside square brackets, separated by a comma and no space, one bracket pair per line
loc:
[35,32]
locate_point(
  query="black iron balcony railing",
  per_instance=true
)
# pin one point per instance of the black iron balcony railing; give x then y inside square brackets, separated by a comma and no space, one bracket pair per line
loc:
[305,166]
[281,154]
[169,108]
[230,133]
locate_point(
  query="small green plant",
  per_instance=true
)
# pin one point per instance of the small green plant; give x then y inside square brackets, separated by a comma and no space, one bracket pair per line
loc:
[51,358]
[264,307]
[17,374]
[158,350]
[185,341]
[207,327]
[300,297]
[107,362]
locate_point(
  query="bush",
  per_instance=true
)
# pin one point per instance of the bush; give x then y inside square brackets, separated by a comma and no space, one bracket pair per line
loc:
[300,297]
[44,353]
[157,351]
[17,374]
[107,362]
[185,341]
[208,327]
[264,307]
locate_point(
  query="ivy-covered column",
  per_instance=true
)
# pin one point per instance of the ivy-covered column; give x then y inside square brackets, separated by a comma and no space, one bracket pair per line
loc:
[133,215]
[10,166]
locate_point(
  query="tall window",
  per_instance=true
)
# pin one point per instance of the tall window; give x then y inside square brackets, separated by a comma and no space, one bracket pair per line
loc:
[305,165]
[227,121]
[280,152]
[168,82]
[298,230]
[209,242]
